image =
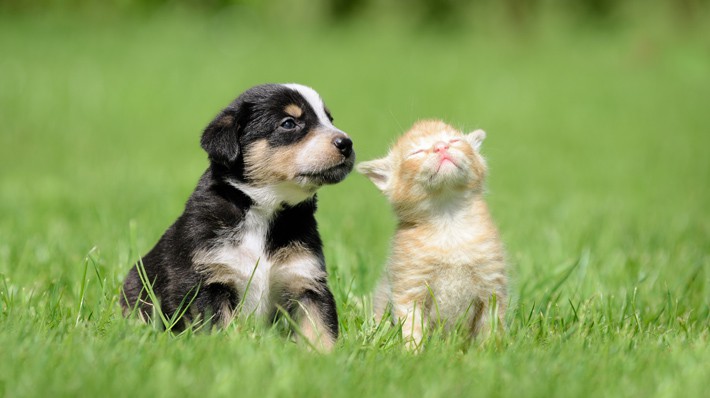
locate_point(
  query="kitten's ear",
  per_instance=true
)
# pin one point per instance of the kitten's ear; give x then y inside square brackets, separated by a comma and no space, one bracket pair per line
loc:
[379,171]
[476,138]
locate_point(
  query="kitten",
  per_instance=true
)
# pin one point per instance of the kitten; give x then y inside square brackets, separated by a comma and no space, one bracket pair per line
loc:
[447,261]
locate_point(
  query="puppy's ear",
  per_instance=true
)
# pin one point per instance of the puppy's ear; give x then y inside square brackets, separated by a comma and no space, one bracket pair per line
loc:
[221,137]
[379,171]
[476,139]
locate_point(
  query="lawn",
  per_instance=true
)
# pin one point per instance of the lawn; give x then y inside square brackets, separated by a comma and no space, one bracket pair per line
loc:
[599,180]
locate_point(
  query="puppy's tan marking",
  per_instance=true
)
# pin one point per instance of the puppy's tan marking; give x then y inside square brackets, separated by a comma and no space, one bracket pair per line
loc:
[266,165]
[294,110]
[297,272]
[225,121]
[313,327]
[290,253]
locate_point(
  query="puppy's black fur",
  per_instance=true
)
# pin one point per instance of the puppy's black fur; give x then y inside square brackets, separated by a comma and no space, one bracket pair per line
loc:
[249,225]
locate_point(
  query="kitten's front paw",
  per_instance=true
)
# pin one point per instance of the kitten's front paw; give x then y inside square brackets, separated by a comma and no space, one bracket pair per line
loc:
[413,344]
[413,338]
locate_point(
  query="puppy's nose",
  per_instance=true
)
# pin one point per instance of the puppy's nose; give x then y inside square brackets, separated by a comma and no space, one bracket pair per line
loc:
[441,146]
[344,145]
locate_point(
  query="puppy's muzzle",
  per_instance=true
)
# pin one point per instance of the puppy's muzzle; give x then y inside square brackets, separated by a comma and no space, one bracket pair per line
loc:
[330,161]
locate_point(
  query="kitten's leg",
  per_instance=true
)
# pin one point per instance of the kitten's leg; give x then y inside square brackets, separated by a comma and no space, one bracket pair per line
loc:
[482,322]
[409,297]
[502,307]
[412,319]
[382,298]
[317,319]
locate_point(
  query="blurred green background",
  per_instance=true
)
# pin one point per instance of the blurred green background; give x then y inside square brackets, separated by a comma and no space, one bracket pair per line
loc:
[598,135]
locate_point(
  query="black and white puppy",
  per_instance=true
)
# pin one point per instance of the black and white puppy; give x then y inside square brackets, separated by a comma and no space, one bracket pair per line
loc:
[248,238]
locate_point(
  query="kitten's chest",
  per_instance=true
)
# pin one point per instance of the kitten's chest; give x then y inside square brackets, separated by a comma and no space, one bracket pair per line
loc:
[454,241]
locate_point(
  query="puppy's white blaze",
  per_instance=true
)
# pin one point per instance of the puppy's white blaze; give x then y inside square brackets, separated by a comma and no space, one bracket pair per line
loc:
[315,101]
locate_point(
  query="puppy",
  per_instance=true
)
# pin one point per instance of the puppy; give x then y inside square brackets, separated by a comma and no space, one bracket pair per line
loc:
[247,242]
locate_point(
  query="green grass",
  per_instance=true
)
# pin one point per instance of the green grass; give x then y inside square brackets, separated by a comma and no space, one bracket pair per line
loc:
[598,148]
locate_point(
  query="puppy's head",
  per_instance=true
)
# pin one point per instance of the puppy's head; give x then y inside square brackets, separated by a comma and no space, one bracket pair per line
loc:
[279,136]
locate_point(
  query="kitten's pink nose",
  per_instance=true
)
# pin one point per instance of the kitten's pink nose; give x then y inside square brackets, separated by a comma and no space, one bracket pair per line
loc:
[441,146]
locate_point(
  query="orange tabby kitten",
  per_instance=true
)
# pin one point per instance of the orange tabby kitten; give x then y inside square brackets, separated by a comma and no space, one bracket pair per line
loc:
[447,261]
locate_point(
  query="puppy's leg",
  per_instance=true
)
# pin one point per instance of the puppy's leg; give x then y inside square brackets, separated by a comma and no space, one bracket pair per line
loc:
[302,282]
[317,319]
[216,303]
[134,297]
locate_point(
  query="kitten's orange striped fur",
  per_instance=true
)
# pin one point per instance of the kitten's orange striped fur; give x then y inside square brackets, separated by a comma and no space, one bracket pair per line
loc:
[447,261]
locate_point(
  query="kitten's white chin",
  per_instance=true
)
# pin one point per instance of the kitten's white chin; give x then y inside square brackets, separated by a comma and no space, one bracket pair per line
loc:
[446,166]
[447,175]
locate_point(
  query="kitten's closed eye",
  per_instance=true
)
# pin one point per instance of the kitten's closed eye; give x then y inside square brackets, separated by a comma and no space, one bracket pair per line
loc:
[416,152]
[422,151]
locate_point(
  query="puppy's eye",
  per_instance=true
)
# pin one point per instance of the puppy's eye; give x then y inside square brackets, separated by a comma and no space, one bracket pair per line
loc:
[454,140]
[288,124]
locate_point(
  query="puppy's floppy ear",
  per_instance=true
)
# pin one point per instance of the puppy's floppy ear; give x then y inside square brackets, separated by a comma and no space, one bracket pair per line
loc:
[379,171]
[476,138]
[221,137]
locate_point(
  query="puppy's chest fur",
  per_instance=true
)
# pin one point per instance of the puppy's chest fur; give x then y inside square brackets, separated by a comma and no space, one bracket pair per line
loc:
[263,276]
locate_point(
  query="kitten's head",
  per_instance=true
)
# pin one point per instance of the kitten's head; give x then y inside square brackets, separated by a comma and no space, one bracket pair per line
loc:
[431,159]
